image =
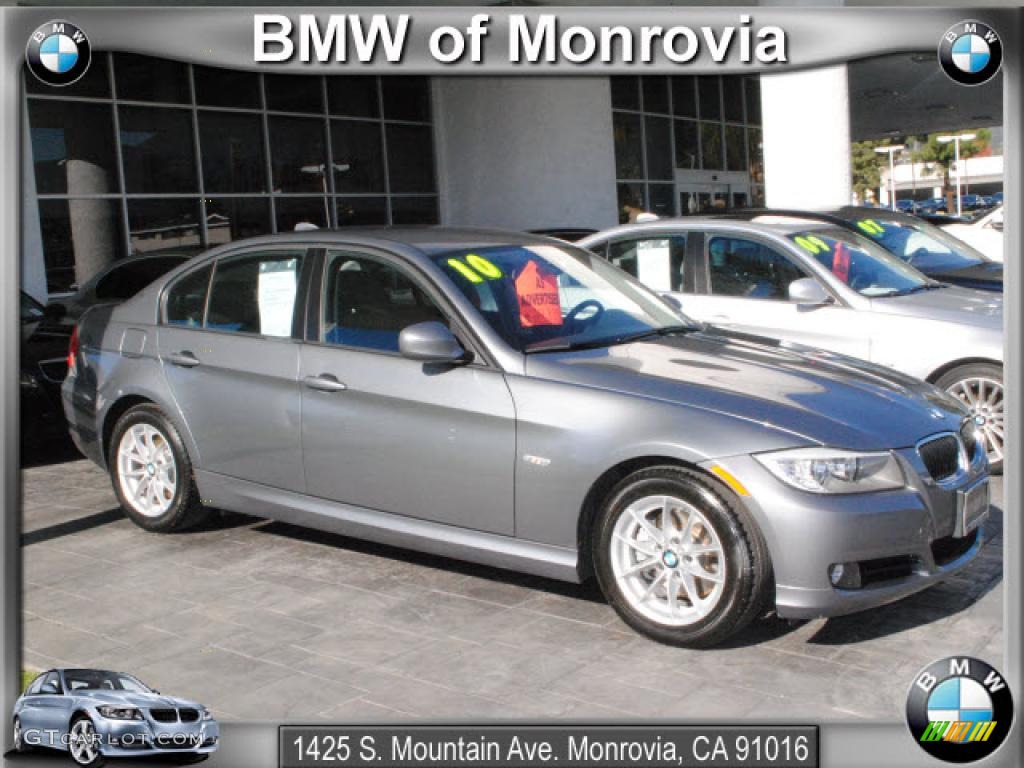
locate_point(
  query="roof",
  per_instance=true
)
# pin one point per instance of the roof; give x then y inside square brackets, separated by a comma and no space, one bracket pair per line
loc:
[427,239]
[789,226]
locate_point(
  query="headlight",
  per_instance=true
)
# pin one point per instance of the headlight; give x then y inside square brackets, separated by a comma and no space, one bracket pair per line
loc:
[120,713]
[827,470]
[206,714]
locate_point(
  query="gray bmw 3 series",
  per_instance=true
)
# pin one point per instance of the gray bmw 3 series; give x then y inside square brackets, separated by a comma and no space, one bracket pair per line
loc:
[513,400]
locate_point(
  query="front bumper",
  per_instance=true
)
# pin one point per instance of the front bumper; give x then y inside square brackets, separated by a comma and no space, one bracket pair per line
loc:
[904,537]
[127,738]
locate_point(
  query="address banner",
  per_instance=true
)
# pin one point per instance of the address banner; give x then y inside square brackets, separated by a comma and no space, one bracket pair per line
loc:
[664,746]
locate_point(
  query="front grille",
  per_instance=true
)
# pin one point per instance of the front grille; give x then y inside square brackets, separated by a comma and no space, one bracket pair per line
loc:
[969,434]
[188,715]
[885,569]
[941,456]
[164,715]
[949,548]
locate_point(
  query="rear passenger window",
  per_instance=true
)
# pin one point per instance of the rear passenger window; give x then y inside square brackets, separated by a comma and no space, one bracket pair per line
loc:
[186,300]
[255,293]
[367,303]
[750,270]
[657,262]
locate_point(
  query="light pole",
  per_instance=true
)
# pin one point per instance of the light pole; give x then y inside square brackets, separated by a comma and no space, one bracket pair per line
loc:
[956,153]
[891,150]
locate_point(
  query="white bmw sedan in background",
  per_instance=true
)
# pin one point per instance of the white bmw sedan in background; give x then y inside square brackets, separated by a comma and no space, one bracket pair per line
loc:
[825,286]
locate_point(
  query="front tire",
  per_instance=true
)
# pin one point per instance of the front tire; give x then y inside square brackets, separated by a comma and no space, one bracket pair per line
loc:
[84,744]
[151,471]
[979,386]
[679,559]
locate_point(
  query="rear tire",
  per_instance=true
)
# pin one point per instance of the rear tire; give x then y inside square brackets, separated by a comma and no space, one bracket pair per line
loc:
[19,738]
[979,386]
[679,559]
[151,471]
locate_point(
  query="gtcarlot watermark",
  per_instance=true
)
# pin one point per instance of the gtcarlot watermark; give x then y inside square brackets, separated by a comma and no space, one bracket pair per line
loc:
[52,737]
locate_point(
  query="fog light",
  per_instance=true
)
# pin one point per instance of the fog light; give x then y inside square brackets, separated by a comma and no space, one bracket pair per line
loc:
[844,575]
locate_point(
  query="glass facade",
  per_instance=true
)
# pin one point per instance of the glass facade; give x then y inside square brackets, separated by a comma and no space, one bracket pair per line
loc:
[145,155]
[665,125]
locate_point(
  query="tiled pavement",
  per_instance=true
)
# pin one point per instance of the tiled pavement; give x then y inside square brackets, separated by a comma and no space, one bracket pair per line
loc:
[263,621]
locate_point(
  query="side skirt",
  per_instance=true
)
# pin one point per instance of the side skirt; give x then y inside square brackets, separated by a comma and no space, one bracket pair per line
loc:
[385,528]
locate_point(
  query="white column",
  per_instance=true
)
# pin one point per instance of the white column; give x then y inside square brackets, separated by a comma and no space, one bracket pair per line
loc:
[806,138]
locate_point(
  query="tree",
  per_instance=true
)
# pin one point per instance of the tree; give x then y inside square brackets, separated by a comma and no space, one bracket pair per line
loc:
[940,157]
[864,170]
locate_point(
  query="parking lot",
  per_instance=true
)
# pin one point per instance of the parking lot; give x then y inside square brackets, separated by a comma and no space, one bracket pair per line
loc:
[264,621]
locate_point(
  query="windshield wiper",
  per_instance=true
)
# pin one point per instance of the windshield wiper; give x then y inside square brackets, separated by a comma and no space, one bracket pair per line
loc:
[915,289]
[568,345]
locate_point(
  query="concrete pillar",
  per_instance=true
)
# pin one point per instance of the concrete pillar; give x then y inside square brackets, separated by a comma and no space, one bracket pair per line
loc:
[91,230]
[526,152]
[33,265]
[806,118]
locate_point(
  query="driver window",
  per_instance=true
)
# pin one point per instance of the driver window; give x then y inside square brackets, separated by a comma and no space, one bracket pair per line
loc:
[368,302]
[657,262]
[750,270]
[51,684]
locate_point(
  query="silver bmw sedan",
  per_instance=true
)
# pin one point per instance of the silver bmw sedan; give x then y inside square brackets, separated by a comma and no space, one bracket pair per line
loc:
[516,401]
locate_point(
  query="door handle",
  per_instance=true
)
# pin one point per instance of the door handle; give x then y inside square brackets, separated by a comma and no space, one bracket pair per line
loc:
[184,359]
[325,382]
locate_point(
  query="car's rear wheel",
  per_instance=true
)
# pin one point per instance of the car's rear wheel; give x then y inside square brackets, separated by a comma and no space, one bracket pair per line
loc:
[679,560]
[979,386]
[19,737]
[83,743]
[151,471]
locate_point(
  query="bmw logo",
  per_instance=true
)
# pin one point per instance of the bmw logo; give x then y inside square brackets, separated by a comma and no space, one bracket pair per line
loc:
[58,53]
[971,53]
[959,709]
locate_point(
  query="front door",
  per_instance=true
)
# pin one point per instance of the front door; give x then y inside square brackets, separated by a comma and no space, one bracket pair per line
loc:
[388,433]
[232,361]
[747,289]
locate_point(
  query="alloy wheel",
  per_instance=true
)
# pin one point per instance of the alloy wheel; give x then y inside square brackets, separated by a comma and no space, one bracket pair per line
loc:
[668,560]
[983,397]
[146,470]
[83,742]
[18,745]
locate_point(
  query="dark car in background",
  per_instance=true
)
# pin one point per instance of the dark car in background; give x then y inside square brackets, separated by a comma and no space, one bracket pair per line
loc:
[118,282]
[924,246]
[44,350]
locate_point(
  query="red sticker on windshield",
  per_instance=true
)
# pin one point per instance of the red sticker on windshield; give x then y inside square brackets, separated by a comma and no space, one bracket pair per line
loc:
[539,302]
[841,262]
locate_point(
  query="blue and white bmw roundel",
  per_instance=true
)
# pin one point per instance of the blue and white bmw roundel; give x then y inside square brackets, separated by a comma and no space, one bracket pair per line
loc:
[58,53]
[971,53]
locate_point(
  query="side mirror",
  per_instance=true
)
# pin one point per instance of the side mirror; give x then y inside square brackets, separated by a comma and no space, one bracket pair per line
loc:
[430,342]
[672,301]
[808,292]
[55,312]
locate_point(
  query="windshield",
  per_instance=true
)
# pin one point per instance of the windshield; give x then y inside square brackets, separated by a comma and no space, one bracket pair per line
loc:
[860,264]
[546,297]
[102,680]
[920,244]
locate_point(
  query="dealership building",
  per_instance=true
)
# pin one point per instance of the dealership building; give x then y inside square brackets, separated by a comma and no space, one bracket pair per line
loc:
[146,155]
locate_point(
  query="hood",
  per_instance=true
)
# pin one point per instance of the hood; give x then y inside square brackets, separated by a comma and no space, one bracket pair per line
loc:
[137,700]
[951,304]
[986,276]
[815,395]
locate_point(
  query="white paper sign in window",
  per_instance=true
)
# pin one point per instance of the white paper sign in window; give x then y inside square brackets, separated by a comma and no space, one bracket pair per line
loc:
[276,295]
[654,264]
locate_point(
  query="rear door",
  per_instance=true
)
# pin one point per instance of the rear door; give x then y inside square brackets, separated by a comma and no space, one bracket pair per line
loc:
[388,433]
[230,353]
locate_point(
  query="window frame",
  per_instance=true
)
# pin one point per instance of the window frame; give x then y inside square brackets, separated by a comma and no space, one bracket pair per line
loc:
[636,238]
[463,330]
[780,250]
[301,293]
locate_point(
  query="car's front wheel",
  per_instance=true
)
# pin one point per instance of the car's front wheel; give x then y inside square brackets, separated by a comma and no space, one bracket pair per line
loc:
[979,386]
[151,471]
[19,737]
[83,743]
[678,559]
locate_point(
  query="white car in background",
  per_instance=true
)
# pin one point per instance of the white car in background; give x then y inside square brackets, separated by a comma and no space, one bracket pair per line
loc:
[824,286]
[984,234]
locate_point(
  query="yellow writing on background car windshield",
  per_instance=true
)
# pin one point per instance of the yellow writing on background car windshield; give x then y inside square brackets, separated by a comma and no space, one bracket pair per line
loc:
[871,227]
[812,244]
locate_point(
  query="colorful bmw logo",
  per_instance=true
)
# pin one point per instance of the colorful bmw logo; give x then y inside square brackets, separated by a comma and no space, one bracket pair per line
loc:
[58,53]
[959,709]
[970,53]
